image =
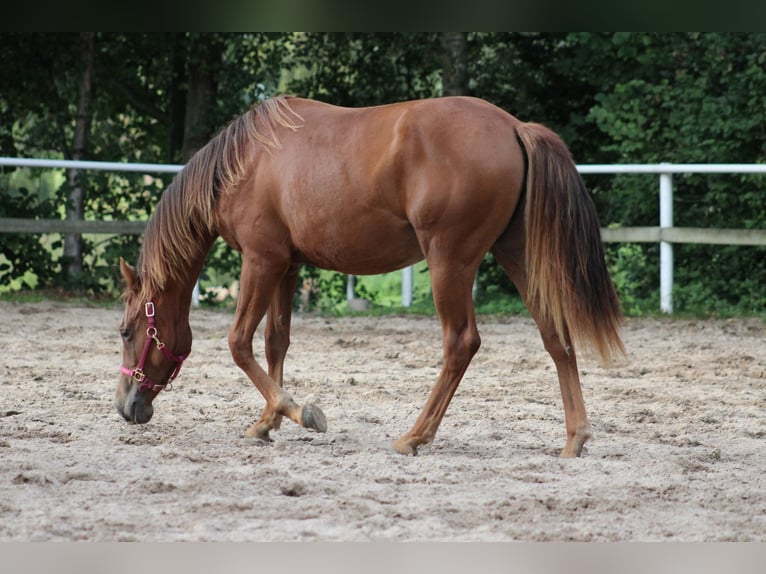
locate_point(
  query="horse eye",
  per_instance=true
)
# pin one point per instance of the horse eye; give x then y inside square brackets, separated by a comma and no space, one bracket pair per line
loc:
[126,334]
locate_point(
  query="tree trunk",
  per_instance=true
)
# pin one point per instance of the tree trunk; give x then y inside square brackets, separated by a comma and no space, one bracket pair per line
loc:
[204,62]
[177,96]
[72,260]
[454,63]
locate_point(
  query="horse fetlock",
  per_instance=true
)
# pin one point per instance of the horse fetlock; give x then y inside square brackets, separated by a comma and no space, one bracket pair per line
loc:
[286,406]
[262,427]
[575,443]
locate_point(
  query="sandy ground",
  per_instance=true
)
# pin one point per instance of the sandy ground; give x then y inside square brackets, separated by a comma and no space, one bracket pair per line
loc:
[678,451]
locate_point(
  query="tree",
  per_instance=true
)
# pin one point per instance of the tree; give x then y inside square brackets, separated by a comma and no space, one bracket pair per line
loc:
[454,63]
[36,116]
[361,69]
[691,98]
[203,63]
[629,97]
[72,259]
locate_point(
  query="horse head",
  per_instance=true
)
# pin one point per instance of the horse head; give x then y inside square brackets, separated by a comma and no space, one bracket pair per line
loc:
[153,329]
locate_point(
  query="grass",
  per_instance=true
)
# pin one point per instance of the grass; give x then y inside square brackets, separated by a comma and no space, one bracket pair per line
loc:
[59,295]
[384,293]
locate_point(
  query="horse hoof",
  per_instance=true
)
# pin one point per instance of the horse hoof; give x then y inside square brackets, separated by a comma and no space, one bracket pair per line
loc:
[404,447]
[571,453]
[312,417]
[258,431]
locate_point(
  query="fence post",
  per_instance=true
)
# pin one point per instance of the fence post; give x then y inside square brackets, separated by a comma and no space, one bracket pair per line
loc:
[350,280]
[195,294]
[408,274]
[666,248]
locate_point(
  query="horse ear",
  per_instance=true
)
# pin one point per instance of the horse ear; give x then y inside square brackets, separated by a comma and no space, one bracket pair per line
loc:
[129,274]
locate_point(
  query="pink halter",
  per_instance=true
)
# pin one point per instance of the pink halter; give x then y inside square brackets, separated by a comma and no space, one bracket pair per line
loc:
[138,373]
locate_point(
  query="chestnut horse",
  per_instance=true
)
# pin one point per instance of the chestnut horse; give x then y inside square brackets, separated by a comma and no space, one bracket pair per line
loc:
[367,191]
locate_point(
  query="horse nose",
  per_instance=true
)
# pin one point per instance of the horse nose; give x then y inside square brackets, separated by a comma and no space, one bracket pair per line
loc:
[138,412]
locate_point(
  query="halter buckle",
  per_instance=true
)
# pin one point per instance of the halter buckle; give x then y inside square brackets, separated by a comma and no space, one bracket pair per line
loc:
[151,386]
[149,309]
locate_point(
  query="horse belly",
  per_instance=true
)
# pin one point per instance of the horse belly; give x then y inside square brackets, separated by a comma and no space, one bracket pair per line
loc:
[360,243]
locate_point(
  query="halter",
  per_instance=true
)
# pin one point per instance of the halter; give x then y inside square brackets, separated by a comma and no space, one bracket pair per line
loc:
[138,374]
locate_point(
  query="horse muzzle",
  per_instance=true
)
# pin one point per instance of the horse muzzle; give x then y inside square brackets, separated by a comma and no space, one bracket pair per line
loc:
[138,412]
[134,406]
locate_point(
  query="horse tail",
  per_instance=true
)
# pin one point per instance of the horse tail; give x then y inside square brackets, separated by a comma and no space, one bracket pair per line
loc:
[568,282]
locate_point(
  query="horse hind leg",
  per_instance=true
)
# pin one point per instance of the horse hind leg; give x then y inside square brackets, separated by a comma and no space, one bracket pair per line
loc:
[577,426]
[452,297]
[510,255]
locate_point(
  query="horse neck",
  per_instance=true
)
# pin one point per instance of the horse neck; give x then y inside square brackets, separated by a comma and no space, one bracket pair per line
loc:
[188,281]
[179,289]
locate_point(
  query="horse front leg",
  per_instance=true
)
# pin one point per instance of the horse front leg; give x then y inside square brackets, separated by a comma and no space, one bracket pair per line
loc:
[260,279]
[277,335]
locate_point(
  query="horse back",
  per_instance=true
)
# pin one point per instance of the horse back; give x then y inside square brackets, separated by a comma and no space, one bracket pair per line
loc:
[357,189]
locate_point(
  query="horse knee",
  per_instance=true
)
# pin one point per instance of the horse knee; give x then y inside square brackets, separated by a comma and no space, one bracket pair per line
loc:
[241,348]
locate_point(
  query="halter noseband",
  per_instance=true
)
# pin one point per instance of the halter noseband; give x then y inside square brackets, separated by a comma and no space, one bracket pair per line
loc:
[138,374]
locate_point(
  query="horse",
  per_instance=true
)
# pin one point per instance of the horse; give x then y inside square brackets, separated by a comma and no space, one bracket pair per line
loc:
[362,191]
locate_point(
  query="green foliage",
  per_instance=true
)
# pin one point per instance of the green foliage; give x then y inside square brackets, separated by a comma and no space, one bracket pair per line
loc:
[330,290]
[386,290]
[361,69]
[731,282]
[634,277]
[691,98]
[614,97]
[26,261]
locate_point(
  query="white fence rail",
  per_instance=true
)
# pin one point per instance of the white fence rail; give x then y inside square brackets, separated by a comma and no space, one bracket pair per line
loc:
[665,234]
[665,172]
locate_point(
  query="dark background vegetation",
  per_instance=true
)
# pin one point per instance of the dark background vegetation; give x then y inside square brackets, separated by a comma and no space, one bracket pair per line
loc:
[613,97]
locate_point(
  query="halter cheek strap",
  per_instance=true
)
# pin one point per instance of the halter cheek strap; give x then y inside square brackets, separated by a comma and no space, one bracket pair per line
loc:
[137,373]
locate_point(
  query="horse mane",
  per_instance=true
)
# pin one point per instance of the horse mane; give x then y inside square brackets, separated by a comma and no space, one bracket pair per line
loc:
[183,224]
